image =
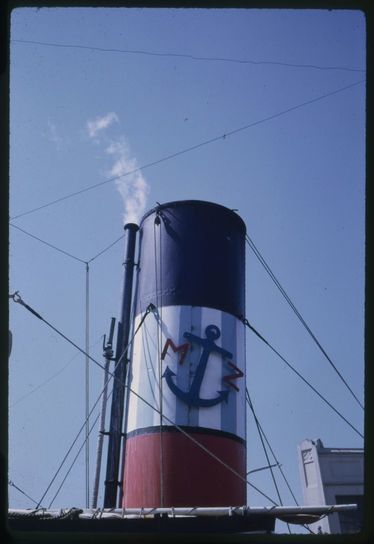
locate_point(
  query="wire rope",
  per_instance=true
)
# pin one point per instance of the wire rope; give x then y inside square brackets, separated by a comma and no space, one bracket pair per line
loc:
[297,313]
[246,322]
[42,384]
[66,252]
[265,452]
[74,461]
[48,244]
[106,249]
[193,147]
[277,464]
[111,375]
[16,298]
[12,484]
[188,56]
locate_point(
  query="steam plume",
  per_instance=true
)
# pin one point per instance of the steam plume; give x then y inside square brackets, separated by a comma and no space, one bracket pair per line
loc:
[101,123]
[133,188]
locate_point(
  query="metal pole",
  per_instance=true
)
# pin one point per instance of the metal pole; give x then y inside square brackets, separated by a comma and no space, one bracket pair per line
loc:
[87,388]
[108,354]
[116,415]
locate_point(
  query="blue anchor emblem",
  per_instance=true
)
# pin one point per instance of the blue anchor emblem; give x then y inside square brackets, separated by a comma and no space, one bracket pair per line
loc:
[192,397]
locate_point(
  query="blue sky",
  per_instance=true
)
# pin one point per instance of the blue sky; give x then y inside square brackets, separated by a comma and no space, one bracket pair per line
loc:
[80,116]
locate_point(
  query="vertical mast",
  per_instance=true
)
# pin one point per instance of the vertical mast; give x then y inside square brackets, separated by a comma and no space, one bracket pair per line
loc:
[87,379]
[108,354]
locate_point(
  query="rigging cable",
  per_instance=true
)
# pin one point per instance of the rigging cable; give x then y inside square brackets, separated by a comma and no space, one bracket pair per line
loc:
[297,313]
[277,464]
[246,322]
[106,249]
[48,244]
[275,458]
[193,147]
[21,491]
[201,446]
[42,384]
[265,451]
[74,460]
[65,252]
[111,375]
[87,345]
[70,448]
[187,56]
[16,298]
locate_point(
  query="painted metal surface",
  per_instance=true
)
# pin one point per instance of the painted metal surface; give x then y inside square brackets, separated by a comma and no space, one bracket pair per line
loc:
[188,360]
[118,395]
[193,255]
[226,415]
[190,475]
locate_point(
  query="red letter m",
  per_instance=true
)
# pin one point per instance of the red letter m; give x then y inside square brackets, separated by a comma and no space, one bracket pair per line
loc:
[183,348]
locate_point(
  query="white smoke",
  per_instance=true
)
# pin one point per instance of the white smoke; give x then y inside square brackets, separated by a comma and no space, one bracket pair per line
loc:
[133,187]
[100,123]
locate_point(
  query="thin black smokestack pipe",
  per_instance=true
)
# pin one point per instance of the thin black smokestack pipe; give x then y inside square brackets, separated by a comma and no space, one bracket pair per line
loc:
[116,415]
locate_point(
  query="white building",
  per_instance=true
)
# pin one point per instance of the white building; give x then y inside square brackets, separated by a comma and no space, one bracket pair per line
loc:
[332,476]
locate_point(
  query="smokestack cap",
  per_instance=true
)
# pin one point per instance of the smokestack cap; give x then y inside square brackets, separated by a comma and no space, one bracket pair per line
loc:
[131,226]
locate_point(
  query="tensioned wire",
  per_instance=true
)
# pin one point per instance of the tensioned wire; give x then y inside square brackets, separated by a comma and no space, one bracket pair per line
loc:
[250,404]
[297,313]
[263,439]
[247,324]
[188,56]
[48,244]
[248,400]
[193,147]
[227,134]
[52,377]
[185,433]
[111,375]
[257,253]
[66,252]
[88,414]
[93,425]
[264,264]
[77,455]
[87,282]
[21,491]
[19,300]
[101,252]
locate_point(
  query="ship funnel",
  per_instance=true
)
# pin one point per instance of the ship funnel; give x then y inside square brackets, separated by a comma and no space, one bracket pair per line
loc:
[184,443]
